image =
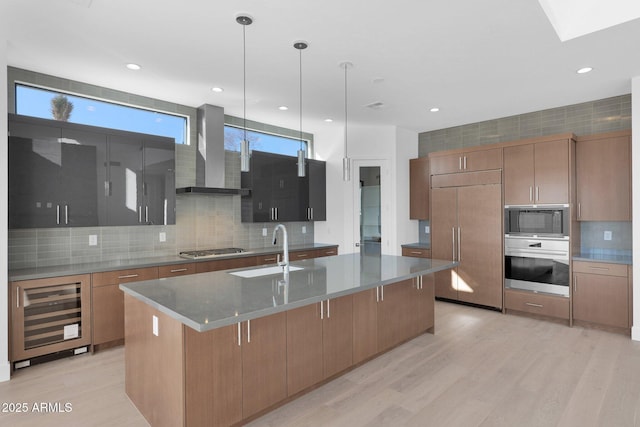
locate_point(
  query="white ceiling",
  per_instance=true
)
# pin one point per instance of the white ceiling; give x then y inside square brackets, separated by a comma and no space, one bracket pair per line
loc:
[475,60]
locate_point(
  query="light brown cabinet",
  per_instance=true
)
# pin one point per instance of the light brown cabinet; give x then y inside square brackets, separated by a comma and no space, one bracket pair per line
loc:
[419,188]
[537,173]
[603,177]
[540,304]
[466,226]
[49,315]
[107,300]
[395,315]
[423,309]
[176,270]
[225,264]
[337,335]
[467,161]
[416,252]
[601,293]
[365,324]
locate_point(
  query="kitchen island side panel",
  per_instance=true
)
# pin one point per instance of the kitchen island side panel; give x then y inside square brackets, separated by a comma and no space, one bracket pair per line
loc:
[154,373]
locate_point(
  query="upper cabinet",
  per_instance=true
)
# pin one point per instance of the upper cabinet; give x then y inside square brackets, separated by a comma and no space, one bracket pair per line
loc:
[278,194]
[603,177]
[69,175]
[419,188]
[467,161]
[537,173]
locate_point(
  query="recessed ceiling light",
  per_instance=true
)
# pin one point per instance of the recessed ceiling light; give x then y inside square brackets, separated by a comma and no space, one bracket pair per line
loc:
[434,109]
[328,120]
[283,108]
[217,89]
[133,66]
[584,70]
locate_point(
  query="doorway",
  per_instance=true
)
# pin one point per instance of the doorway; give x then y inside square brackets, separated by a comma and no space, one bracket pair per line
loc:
[367,203]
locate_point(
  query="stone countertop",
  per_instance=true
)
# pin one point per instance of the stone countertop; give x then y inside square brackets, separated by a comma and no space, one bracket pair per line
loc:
[612,259]
[96,267]
[211,300]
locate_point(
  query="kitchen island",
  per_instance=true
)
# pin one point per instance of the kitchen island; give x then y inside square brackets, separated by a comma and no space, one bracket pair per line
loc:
[222,347]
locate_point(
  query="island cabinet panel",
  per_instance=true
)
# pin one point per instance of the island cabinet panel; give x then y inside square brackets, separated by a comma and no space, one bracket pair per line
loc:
[603,177]
[601,294]
[213,370]
[395,317]
[154,364]
[108,303]
[419,188]
[304,347]
[537,173]
[365,325]
[423,309]
[337,335]
[264,362]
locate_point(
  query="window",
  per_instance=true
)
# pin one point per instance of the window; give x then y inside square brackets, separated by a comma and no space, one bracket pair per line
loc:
[261,141]
[38,102]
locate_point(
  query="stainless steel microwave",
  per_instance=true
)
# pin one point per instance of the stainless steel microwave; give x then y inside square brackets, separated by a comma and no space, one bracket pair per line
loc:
[539,221]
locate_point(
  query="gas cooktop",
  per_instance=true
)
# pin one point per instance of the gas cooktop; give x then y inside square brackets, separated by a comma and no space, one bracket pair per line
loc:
[210,253]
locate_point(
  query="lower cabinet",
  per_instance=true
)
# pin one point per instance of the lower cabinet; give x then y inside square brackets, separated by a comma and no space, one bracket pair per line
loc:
[319,342]
[107,302]
[530,302]
[395,316]
[601,294]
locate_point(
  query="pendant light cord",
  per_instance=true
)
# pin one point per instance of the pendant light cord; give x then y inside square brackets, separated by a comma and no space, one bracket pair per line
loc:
[300,98]
[345,110]
[244,80]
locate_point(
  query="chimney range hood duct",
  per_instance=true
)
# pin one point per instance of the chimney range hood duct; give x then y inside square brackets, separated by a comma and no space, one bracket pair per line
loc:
[210,157]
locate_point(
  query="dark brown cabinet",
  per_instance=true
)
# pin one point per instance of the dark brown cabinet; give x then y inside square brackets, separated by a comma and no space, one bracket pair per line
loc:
[537,173]
[419,188]
[603,177]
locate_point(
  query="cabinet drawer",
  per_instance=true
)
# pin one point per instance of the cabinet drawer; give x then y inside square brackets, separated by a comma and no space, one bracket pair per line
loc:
[225,264]
[602,268]
[176,270]
[529,302]
[326,252]
[267,259]
[299,255]
[123,276]
[418,253]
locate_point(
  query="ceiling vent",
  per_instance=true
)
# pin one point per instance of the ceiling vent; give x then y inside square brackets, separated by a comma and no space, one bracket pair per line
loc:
[375,105]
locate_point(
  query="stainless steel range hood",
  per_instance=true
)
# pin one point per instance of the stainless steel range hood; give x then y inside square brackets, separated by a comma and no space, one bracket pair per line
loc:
[210,158]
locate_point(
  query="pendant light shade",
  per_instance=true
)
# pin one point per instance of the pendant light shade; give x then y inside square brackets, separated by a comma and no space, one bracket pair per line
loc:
[301,45]
[346,161]
[244,20]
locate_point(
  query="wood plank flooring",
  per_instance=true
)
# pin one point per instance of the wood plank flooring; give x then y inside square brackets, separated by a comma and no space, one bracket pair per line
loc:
[481,368]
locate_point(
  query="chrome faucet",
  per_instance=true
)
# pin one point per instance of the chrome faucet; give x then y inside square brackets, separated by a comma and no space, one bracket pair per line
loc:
[285,262]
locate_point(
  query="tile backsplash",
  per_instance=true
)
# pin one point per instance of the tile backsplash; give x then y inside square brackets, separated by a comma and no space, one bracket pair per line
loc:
[592,238]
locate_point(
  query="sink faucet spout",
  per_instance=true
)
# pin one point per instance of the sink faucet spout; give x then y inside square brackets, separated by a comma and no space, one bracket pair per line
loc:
[285,261]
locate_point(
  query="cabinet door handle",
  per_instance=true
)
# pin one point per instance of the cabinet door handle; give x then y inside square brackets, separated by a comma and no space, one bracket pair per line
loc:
[18,297]
[381,293]
[328,309]
[146,214]
[377,293]
[533,305]
[58,214]
[128,276]
[311,213]
[239,336]
[460,163]
[321,310]
[453,243]
[416,253]
[459,244]
[177,270]
[575,284]
[139,213]
[464,163]
[579,211]
[66,214]
[248,331]
[537,194]
[592,267]
[530,193]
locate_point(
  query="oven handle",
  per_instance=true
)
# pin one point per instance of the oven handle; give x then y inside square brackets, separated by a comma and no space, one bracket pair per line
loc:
[544,254]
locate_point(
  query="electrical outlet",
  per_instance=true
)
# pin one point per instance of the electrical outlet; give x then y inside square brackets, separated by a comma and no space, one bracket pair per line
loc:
[427,229]
[264,232]
[163,236]
[93,239]
[304,229]
[608,235]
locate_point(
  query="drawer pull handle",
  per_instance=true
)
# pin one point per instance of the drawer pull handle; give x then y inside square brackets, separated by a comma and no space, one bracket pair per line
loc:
[416,252]
[127,276]
[178,270]
[598,268]
[533,305]
[302,255]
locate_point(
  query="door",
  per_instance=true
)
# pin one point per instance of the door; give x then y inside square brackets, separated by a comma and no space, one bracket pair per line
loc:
[367,203]
[552,172]
[444,222]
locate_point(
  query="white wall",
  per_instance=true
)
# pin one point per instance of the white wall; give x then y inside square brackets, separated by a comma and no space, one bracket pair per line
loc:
[384,143]
[635,162]
[4,315]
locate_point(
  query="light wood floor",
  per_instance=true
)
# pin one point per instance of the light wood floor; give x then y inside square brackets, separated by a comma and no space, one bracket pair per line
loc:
[481,368]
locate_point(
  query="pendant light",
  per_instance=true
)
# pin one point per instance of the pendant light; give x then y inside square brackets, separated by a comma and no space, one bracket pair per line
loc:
[244,20]
[346,161]
[301,45]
